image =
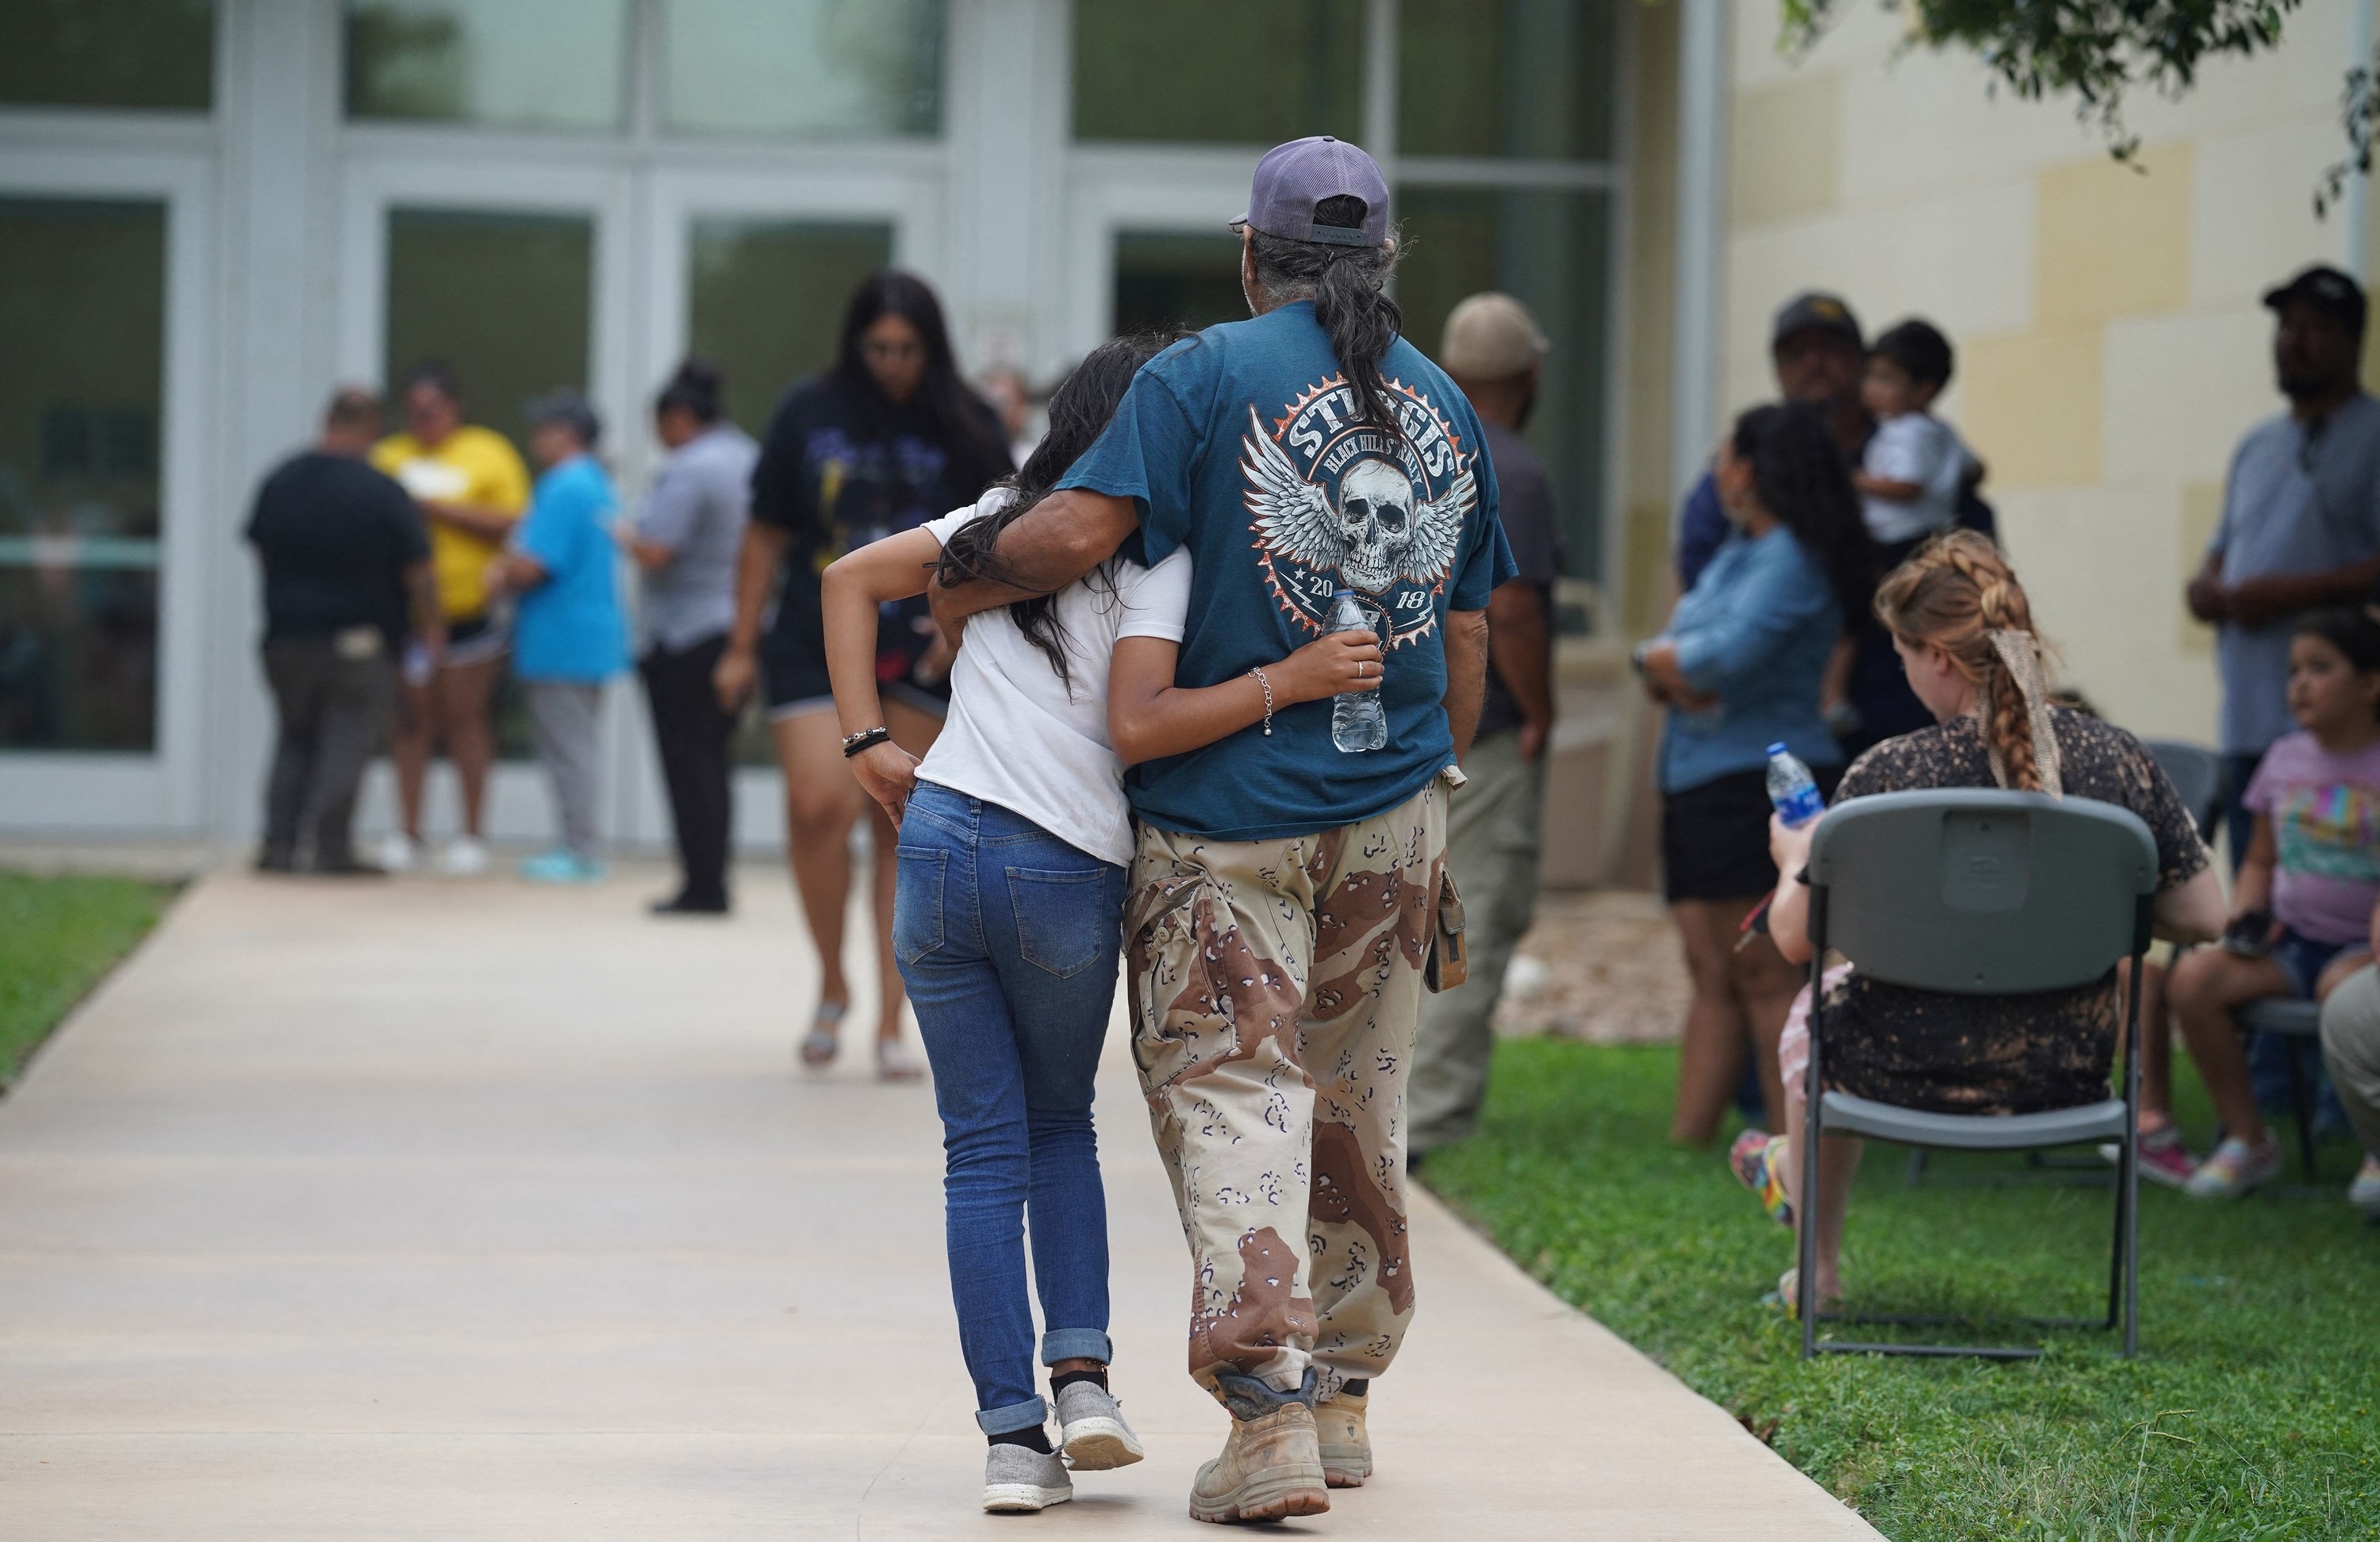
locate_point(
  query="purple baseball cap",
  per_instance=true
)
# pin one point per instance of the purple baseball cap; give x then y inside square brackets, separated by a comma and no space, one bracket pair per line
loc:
[1293,178]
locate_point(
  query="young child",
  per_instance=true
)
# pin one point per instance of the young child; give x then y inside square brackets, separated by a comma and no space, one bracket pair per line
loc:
[2303,902]
[1910,474]
[1014,836]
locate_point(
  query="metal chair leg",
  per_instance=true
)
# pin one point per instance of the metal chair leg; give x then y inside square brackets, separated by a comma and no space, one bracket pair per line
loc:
[2301,1100]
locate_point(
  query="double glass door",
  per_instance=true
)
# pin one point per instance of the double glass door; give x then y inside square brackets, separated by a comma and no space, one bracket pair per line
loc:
[521,280]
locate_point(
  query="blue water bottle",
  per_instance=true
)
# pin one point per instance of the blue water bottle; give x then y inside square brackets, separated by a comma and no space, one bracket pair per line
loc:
[1792,789]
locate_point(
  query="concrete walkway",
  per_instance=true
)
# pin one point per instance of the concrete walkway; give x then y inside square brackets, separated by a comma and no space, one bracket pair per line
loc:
[477,1211]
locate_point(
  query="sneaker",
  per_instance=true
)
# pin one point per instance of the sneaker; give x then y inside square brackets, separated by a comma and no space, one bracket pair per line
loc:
[1018,1480]
[465,857]
[396,853]
[2234,1168]
[2165,1158]
[1271,1464]
[1756,1158]
[560,866]
[895,1063]
[1094,1436]
[2364,1193]
[1340,1436]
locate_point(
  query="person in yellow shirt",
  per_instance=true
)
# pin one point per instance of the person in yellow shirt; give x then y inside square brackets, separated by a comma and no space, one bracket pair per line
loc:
[472,489]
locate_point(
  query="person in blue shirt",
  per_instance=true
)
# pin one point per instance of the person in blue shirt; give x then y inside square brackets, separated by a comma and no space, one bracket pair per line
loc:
[1739,669]
[570,635]
[1286,894]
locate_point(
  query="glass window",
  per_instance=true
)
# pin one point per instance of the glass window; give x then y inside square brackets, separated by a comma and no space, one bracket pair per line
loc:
[1221,72]
[1497,78]
[82,325]
[520,64]
[1549,250]
[504,300]
[1163,279]
[811,68]
[767,300]
[108,53]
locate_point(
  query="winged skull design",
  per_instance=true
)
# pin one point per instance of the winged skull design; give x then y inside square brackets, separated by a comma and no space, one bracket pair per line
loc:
[1377,533]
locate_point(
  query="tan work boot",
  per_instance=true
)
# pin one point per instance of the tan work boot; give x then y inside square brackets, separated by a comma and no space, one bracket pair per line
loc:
[1271,1466]
[1345,1445]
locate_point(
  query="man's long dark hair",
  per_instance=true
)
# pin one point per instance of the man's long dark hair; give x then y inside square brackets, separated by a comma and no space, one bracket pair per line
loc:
[1798,474]
[1079,411]
[1346,286]
[963,424]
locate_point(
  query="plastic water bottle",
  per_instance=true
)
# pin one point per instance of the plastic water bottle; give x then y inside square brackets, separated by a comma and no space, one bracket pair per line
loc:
[1792,789]
[1358,721]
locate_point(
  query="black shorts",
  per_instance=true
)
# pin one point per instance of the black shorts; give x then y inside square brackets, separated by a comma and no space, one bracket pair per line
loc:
[793,677]
[1715,836]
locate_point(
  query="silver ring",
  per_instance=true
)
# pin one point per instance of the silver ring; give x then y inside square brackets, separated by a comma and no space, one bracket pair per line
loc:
[1362,665]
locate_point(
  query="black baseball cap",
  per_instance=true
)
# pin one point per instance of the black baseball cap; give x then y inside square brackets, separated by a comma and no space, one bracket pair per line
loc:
[2327,290]
[1814,309]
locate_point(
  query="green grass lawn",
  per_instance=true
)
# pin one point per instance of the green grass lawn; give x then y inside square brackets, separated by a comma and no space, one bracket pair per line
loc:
[57,937]
[2253,1410]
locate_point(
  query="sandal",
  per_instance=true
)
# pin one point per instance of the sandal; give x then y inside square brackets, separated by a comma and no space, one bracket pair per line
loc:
[893,1064]
[1787,1295]
[1755,1157]
[819,1045]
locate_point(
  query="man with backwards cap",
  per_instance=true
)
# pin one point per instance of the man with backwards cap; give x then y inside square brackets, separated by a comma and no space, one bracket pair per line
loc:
[1493,349]
[1286,894]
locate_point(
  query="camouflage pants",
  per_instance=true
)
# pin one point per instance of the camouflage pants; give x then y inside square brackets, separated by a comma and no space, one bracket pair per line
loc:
[1275,987]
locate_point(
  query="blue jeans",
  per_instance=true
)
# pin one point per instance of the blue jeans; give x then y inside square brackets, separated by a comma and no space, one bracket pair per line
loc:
[1008,938]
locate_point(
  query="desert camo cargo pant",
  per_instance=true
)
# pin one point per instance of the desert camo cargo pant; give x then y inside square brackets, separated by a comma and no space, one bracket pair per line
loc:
[1275,986]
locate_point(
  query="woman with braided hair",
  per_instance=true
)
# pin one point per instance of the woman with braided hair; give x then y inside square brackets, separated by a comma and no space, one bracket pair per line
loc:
[1963,629]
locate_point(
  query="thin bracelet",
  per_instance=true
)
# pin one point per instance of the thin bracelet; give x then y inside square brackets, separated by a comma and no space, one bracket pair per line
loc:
[866,739]
[1268,690]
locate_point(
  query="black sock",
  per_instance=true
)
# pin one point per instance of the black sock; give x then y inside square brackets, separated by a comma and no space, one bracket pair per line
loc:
[1356,1388]
[1032,1438]
[1098,1378]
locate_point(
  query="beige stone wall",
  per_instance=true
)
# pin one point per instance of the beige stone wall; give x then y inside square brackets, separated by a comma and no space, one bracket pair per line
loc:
[2111,349]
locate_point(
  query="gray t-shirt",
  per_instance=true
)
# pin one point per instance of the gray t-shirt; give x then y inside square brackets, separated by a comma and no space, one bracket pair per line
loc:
[2303,498]
[696,508]
[1532,532]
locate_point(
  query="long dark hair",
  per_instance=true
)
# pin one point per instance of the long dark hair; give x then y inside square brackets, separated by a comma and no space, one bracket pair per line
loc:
[1079,410]
[963,422]
[1798,473]
[697,389]
[1345,284]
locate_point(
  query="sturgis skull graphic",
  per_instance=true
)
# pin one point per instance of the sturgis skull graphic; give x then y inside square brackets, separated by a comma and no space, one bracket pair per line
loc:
[1340,505]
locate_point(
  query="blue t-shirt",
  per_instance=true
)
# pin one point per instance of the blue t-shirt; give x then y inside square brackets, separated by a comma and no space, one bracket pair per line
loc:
[571,626]
[1241,444]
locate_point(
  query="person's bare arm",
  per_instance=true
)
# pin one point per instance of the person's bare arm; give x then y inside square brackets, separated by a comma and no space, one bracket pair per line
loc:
[1466,675]
[849,595]
[428,616]
[1788,907]
[2254,601]
[756,568]
[1055,542]
[1149,717]
[2190,912]
[1890,489]
[2252,887]
[488,521]
[1835,684]
[516,573]
[650,556]
[1520,646]
[2205,595]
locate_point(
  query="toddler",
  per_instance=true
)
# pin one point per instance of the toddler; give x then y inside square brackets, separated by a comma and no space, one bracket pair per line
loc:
[1909,477]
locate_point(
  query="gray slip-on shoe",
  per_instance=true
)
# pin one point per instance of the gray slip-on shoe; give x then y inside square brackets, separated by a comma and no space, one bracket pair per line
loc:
[1094,1436]
[1018,1479]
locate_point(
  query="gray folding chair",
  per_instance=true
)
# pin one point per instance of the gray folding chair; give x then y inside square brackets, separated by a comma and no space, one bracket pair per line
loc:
[1975,893]
[2197,773]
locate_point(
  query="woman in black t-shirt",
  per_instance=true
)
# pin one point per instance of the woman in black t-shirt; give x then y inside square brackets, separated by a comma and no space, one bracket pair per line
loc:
[1963,629]
[885,441]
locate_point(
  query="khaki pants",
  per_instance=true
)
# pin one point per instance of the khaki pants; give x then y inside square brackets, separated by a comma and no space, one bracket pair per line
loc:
[1275,988]
[1492,840]
[2350,1045]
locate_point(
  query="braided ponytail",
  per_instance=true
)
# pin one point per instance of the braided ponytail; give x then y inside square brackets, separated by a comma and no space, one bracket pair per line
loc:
[1959,594]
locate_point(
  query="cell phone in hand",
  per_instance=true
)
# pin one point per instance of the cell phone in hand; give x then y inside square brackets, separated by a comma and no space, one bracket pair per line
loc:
[2251,935]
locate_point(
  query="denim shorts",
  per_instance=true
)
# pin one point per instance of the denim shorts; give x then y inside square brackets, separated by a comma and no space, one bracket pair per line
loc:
[2303,960]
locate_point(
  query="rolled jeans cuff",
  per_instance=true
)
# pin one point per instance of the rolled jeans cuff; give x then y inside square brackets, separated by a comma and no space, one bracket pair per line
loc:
[1015,1416]
[1077,1343]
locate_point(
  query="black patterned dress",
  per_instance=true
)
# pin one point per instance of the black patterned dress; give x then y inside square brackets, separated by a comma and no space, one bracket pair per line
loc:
[2004,1054]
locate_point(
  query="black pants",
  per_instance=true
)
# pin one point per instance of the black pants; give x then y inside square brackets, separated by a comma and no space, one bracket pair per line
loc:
[332,712]
[694,733]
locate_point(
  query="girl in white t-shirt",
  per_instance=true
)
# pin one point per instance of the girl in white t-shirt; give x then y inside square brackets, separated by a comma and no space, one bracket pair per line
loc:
[1008,919]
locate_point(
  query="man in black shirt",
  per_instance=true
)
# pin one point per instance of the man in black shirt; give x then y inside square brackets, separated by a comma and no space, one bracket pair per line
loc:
[347,577]
[1493,349]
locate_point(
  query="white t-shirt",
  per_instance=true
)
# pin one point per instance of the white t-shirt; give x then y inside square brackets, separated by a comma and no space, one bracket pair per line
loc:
[1016,736]
[1913,448]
